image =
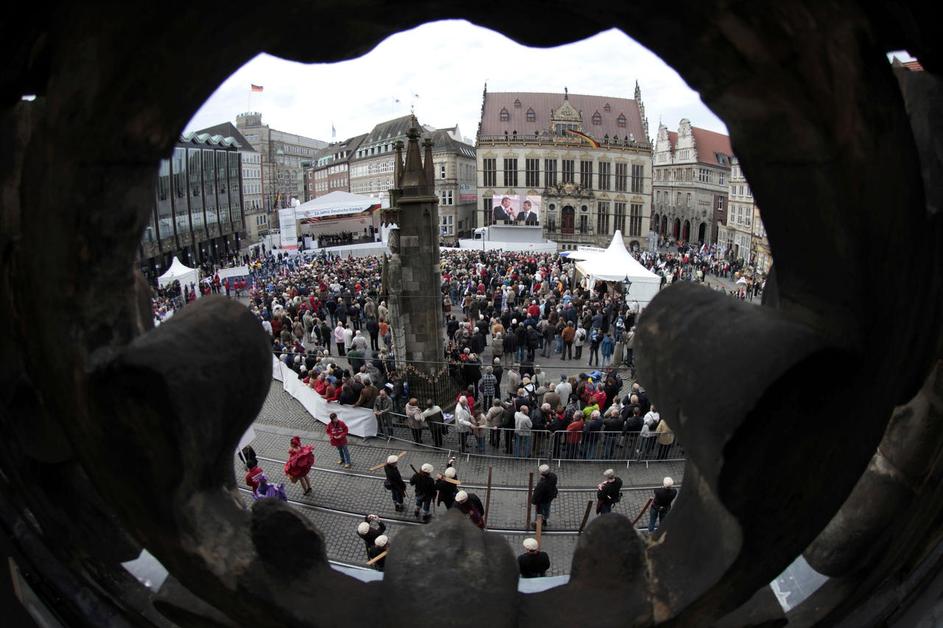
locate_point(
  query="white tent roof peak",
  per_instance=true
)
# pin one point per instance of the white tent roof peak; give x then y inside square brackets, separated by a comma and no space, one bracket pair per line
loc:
[177,269]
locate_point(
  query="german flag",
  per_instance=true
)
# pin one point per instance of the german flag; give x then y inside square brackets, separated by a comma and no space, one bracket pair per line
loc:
[582,135]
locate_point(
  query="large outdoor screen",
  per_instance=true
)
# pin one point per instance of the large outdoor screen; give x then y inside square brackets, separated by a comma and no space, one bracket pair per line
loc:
[515,210]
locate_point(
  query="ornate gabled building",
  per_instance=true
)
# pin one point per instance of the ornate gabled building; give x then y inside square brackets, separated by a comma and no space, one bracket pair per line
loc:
[581,162]
[691,169]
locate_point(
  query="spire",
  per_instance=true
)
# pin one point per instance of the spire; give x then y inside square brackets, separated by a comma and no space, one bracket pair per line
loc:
[427,160]
[641,110]
[398,164]
[414,175]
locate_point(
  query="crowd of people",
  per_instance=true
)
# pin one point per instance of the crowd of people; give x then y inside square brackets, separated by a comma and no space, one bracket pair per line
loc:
[329,323]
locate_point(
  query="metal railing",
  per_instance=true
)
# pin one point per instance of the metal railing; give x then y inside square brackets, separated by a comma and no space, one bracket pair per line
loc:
[539,444]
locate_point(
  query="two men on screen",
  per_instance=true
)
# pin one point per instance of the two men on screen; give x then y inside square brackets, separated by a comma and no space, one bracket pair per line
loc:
[506,213]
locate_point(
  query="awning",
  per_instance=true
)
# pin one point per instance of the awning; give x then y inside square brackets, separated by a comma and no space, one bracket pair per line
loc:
[336,204]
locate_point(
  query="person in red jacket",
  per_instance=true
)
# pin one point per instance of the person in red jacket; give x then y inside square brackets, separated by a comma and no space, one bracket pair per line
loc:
[300,461]
[253,470]
[337,433]
[333,391]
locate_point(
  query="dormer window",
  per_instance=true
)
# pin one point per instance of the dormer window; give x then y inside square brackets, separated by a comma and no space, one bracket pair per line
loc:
[531,116]
[505,115]
[597,119]
[607,108]
[621,120]
[517,104]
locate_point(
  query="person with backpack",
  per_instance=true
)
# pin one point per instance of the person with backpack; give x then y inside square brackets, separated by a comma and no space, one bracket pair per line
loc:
[661,503]
[300,461]
[544,494]
[608,492]
[595,339]
[425,491]
[579,338]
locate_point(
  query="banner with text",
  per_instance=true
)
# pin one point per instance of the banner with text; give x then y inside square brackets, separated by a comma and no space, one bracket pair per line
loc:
[288,227]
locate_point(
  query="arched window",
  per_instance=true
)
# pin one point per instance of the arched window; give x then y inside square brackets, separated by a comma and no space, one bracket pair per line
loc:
[621,120]
[505,115]
[517,104]
[531,116]
[607,108]
[597,119]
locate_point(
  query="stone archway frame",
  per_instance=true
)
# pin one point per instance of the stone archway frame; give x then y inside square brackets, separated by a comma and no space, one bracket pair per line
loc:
[810,102]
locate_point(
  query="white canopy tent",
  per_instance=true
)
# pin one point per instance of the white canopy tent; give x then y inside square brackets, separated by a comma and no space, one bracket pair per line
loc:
[616,264]
[335,204]
[179,272]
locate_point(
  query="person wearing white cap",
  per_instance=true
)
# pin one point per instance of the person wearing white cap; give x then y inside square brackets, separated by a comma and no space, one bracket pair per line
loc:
[608,493]
[661,504]
[544,493]
[425,491]
[394,482]
[470,505]
[381,545]
[533,563]
[444,489]
[369,529]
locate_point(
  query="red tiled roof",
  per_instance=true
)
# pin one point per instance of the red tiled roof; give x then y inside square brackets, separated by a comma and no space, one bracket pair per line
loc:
[672,139]
[543,103]
[709,144]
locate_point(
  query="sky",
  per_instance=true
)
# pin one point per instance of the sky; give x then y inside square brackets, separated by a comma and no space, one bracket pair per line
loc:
[354,95]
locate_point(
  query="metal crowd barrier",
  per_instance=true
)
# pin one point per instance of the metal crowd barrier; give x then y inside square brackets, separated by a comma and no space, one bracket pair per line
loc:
[540,444]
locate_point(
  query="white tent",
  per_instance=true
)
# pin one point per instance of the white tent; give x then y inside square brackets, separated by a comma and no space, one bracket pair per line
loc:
[616,264]
[335,204]
[181,273]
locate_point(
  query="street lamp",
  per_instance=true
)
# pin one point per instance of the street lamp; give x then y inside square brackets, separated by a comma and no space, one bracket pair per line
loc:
[626,286]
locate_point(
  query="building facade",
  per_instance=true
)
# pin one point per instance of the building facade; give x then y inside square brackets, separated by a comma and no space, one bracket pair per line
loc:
[372,163]
[255,216]
[744,235]
[331,169]
[454,165]
[736,232]
[282,161]
[692,173]
[197,214]
[581,164]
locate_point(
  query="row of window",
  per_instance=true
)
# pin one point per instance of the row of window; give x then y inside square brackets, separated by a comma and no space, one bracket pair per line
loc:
[197,189]
[624,180]
[531,116]
[703,175]
[606,222]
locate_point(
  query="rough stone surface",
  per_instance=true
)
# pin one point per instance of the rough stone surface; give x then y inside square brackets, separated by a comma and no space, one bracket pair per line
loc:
[450,573]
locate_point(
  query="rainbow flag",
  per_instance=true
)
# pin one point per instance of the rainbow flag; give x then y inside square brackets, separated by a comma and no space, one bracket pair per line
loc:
[580,134]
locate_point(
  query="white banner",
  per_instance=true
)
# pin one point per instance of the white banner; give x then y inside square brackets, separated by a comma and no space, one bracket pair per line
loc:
[360,421]
[288,227]
[238,271]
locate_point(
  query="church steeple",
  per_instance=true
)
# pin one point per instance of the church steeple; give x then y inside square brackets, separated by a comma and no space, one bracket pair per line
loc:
[641,111]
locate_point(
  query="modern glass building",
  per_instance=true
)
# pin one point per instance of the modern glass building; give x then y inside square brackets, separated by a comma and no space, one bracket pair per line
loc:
[197,214]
